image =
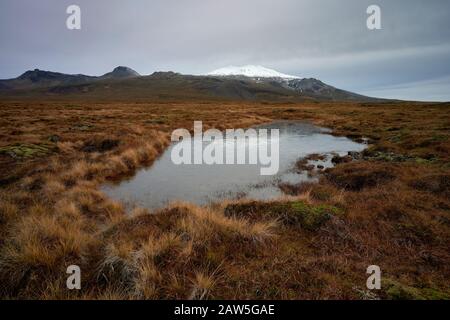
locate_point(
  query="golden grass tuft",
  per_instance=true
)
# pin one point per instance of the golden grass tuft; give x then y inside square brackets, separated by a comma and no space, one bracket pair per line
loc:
[41,244]
[8,211]
[117,266]
[130,158]
[205,223]
[53,188]
[201,286]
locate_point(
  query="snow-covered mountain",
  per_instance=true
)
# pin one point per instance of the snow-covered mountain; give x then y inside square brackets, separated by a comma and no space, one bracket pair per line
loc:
[251,71]
[310,87]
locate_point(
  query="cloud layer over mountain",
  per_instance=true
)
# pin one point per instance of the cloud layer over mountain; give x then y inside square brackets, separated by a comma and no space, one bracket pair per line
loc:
[325,39]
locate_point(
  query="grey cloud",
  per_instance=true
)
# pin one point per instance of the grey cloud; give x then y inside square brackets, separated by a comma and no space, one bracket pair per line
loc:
[326,39]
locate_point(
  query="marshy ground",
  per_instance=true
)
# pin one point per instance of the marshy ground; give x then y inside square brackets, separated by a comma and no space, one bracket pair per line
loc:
[390,207]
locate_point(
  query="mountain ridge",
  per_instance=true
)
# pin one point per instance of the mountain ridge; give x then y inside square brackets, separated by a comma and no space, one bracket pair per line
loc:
[36,78]
[125,83]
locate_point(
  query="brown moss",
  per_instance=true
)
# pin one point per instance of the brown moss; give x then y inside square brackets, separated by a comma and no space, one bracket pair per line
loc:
[359,176]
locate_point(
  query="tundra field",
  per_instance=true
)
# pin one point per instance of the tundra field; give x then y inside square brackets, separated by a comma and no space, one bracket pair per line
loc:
[391,207]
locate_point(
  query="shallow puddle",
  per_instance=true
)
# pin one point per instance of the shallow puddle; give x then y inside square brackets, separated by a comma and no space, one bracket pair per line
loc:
[163,182]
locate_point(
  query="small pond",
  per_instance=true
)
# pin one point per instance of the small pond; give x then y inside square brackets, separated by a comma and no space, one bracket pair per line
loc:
[164,181]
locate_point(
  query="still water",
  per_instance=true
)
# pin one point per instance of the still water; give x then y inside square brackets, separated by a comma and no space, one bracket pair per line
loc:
[164,181]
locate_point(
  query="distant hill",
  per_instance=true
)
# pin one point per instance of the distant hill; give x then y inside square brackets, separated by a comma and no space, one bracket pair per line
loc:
[123,83]
[121,73]
[36,78]
[317,89]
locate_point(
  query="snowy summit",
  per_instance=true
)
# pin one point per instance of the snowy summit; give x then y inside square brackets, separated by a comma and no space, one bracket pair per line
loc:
[250,71]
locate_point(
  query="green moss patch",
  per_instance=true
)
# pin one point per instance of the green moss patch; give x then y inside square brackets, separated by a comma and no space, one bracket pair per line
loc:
[296,213]
[158,120]
[82,127]
[397,291]
[27,151]
[313,217]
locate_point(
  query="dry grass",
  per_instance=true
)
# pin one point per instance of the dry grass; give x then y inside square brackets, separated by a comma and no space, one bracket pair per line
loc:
[391,208]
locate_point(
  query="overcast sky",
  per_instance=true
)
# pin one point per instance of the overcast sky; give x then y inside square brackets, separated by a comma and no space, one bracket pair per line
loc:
[409,58]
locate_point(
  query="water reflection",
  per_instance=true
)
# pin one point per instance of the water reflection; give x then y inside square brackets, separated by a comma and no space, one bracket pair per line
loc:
[164,181]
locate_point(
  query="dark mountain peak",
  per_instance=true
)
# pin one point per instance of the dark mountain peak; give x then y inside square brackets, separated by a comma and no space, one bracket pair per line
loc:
[30,72]
[309,84]
[37,75]
[123,69]
[308,80]
[121,72]
[312,80]
[164,74]
[41,78]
